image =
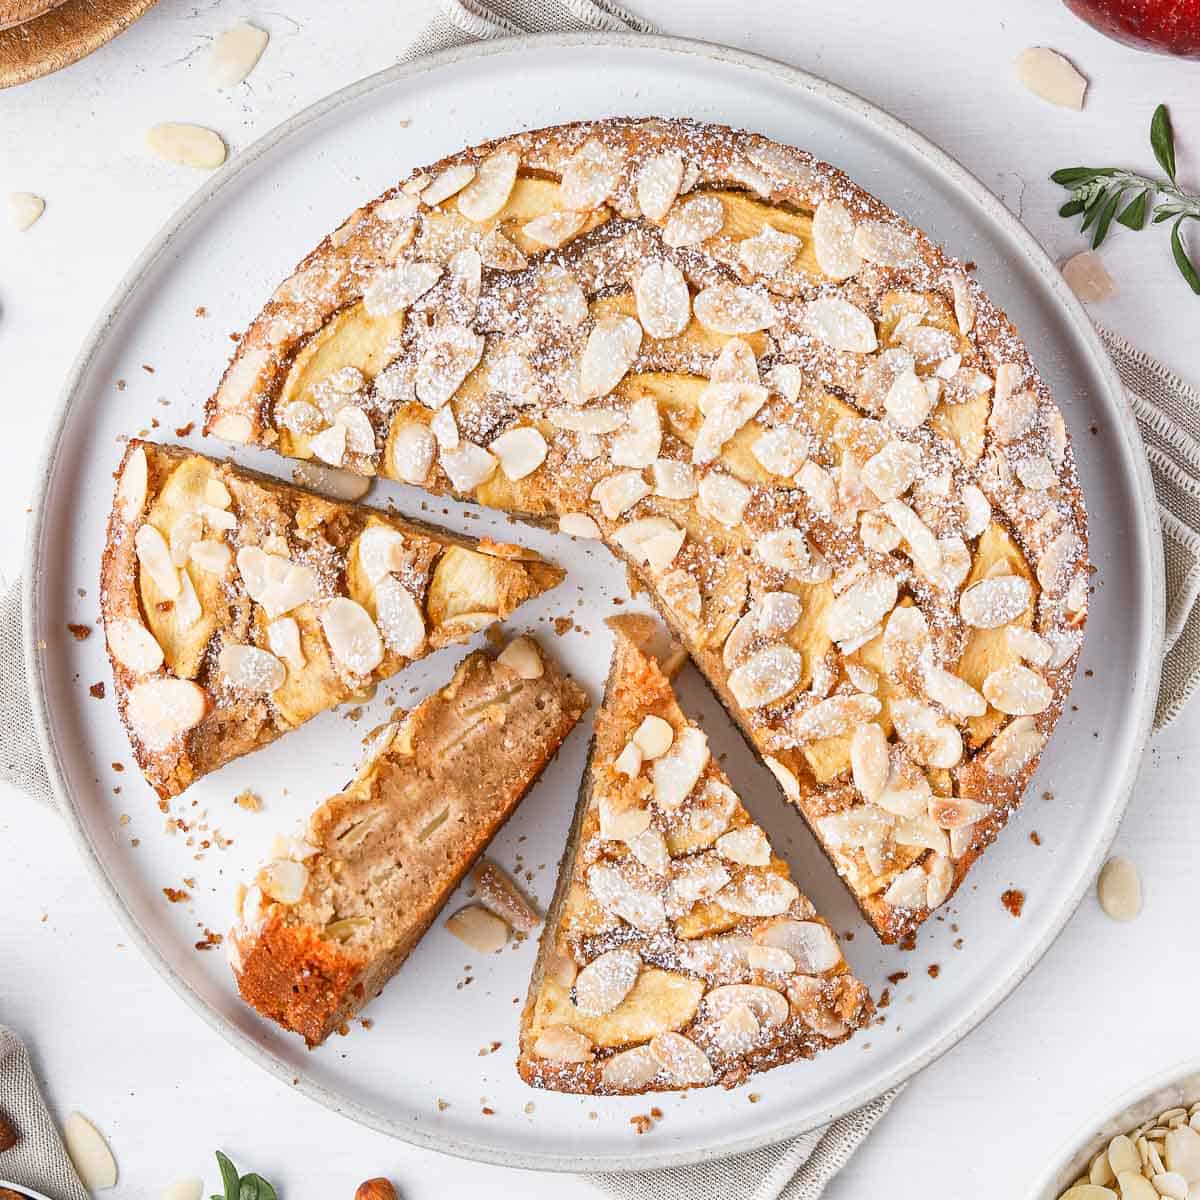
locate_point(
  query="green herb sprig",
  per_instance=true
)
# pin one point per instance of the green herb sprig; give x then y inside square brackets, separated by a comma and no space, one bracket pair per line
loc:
[245,1187]
[1099,193]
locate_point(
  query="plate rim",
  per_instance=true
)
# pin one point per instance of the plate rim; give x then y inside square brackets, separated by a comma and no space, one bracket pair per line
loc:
[1140,715]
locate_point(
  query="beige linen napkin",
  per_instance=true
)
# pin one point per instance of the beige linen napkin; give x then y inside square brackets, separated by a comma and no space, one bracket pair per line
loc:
[38,1160]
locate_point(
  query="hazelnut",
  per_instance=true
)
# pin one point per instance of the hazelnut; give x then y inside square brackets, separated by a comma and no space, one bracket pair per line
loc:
[376,1189]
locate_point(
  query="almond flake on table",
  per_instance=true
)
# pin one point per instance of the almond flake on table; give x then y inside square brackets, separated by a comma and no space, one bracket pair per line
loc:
[1050,76]
[235,53]
[89,1153]
[1087,277]
[187,145]
[1119,889]
[24,209]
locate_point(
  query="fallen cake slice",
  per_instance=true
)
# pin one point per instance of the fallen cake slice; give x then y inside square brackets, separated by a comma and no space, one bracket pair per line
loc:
[331,920]
[237,607]
[678,952]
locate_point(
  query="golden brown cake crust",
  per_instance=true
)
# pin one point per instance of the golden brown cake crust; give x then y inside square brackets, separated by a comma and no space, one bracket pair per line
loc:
[379,860]
[696,343]
[451,586]
[693,969]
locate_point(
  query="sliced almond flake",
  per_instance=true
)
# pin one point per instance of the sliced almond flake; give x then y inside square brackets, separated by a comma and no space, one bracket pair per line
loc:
[766,1004]
[653,541]
[769,252]
[400,207]
[955,695]
[649,847]
[360,434]
[907,792]
[560,295]
[642,909]
[301,417]
[836,717]
[578,525]
[611,349]
[747,845]
[1120,892]
[810,944]
[353,638]
[920,831]
[930,738]
[401,621]
[154,556]
[160,710]
[776,613]
[468,465]
[833,240]
[723,498]
[606,981]
[788,551]
[781,451]
[862,677]
[185,532]
[785,379]
[964,303]
[891,472]
[444,428]
[186,145]
[676,772]
[1027,644]
[640,440]
[664,304]
[1036,472]
[498,253]
[619,493]
[923,547]
[729,407]
[486,933]
[818,485]
[885,244]
[554,229]
[1015,747]
[283,637]
[623,824]
[251,669]
[865,828]
[941,879]
[187,610]
[838,324]
[1017,691]
[1055,565]
[25,209]
[956,812]
[591,175]
[910,400]
[412,451]
[658,183]
[330,445]
[682,1060]
[997,601]
[1050,76]
[756,894]
[451,354]
[674,480]
[131,487]
[133,645]
[737,1030]
[449,183]
[89,1154]
[977,510]
[735,364]
[727,308]
[482,197]
[395,288]
[694,221]
[1013,415]
[695,879]
[862,606]
[630,1070]
[766,676]
[520,451]
[869,759]
[908,889]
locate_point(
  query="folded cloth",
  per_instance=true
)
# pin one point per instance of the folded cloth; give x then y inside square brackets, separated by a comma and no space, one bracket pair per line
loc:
[38,1160]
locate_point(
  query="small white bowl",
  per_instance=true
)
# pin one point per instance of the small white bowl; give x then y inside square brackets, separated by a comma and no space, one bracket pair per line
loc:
[1169,1089]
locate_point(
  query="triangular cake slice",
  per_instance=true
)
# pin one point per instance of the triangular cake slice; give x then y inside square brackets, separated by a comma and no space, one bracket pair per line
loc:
[678,951]
[334,916]
[237,607]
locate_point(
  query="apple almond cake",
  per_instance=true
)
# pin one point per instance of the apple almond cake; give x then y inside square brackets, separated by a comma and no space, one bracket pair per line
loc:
[827,453]
[333,917]
[236,607]
[678,952]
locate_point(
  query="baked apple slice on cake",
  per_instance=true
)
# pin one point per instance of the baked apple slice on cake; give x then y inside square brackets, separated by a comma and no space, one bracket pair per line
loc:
[236,607]
[678,951]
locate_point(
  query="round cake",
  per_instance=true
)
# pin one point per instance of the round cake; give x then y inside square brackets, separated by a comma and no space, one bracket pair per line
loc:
[825,453]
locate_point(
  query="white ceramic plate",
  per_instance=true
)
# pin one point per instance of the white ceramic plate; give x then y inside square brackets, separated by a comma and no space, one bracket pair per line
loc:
[225,251]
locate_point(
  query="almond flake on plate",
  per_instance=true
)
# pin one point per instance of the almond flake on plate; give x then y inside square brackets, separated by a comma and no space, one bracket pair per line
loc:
[24,208]
[1049,75]
[235,53]
[187,145]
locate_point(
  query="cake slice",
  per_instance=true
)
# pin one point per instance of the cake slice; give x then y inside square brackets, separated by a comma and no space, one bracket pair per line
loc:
[237,607]
[678,951]
[333,918]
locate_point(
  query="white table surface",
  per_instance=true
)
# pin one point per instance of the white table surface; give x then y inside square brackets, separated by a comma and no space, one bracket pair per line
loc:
[1108,1004]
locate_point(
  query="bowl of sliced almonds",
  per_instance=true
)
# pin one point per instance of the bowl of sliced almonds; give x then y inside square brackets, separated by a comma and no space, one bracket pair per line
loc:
[1148,1149]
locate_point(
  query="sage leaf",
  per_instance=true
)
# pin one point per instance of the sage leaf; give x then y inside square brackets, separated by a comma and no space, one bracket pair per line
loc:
[1162,139]
[1134,214]
[1186,267]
